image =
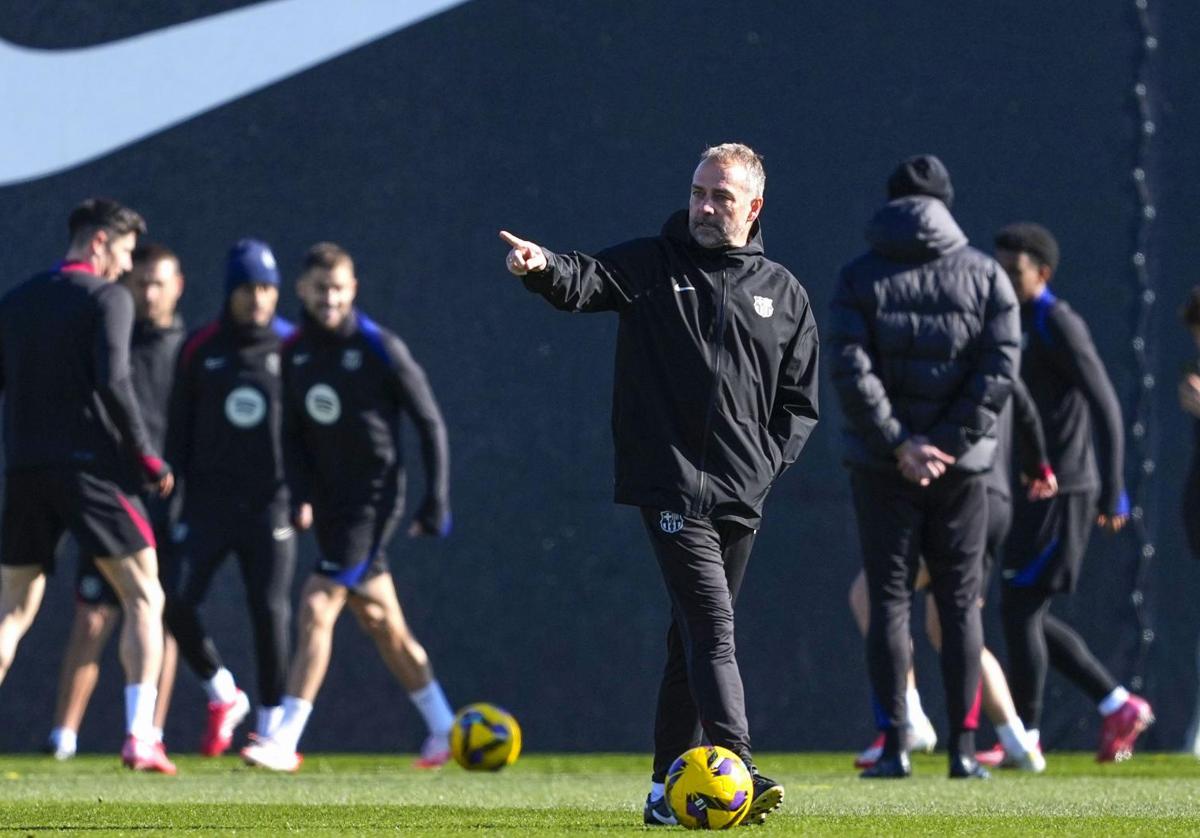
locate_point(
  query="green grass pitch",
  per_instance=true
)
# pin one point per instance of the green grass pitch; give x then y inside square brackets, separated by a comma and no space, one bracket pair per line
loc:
[1154,794]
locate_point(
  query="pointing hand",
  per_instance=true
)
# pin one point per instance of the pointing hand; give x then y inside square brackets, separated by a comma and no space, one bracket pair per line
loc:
[524,256]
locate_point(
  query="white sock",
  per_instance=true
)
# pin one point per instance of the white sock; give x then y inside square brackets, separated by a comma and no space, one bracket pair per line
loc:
[64,739]
[295,716]
[268,720]
[1014,737]
[1113,702]
[657,790]
[1033,736]
[431,701]
[139,710]
[157,734]
[221,687]
[915,711]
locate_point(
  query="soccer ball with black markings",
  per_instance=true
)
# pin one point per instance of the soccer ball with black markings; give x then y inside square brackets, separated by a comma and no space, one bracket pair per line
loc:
[709,788]
[485,738]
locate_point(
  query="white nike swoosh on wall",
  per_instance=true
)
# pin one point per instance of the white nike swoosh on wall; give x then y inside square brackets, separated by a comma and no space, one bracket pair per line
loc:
[61,108]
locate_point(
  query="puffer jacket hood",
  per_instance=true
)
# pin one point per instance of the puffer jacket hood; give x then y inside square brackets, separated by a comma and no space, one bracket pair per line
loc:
[914,229]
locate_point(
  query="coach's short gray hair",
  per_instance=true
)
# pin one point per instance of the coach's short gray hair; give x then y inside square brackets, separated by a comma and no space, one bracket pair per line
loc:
[738,154]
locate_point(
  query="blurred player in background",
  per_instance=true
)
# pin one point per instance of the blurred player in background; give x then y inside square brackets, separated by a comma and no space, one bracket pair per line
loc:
[1074,397]
[715,394]
[77,453]
[224,437]
[156,283]
[348,384]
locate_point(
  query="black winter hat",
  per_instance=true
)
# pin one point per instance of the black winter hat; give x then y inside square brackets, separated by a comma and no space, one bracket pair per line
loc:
[1034,239]
[921,175]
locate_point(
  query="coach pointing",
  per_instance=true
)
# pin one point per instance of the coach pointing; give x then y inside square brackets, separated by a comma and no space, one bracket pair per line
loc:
[715,394]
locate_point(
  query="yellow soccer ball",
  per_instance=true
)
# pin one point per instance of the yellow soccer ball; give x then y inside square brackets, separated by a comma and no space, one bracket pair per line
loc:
[709,788]
[485,738]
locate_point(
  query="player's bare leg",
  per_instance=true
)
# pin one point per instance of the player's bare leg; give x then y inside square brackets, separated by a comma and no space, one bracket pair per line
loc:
[1019,750]
[166,682]
[90,630]
[321,604]
[135,580]
[21,590]
[377,608]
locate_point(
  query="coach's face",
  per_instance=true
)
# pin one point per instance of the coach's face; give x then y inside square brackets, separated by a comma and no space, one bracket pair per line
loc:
[723,206]
[328,295]
[156,287]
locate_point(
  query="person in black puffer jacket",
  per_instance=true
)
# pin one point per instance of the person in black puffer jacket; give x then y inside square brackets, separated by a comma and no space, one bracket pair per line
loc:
[925,347]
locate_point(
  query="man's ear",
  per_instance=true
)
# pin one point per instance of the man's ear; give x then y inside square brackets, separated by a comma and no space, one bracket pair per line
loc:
[756,205]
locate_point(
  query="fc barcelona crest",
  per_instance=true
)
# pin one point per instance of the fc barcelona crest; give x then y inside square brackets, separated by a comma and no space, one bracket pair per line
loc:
[670,522]
[351,359]
[764,306]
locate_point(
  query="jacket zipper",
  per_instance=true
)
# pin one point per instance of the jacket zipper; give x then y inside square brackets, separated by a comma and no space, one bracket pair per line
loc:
[712,398]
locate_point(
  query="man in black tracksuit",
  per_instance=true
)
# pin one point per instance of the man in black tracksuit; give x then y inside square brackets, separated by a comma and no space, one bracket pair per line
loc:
[925,350]
[156,284]
[1066,378]
[348,383]
[77,454]
[224,433]
[715,394]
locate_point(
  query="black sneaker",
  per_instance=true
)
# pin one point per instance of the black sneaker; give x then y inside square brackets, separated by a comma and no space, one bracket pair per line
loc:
[768,796]
[894,767]
[967,768]
[658,813]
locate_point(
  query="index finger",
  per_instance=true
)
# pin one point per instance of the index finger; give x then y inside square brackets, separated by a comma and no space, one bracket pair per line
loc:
[511,240]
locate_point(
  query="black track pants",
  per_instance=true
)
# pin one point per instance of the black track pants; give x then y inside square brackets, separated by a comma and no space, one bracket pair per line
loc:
[702,563]
[265,547]
[946,523]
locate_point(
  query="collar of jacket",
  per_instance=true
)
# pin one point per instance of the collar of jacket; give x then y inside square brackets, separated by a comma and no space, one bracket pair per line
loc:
[914,229]
[147,328]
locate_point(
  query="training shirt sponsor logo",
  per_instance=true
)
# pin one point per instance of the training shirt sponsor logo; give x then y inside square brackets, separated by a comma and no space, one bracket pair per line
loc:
[245,407]
[214,363]
[764,306]
[670,522]
[351,359]
[322,403]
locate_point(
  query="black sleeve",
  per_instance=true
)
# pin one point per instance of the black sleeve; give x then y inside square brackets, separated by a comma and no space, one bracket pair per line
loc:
[795,413]
[114,381]
[1078,356]
[865,403]
[1030,436]
[416,397]
[972,415]
[608,281]
[297,465]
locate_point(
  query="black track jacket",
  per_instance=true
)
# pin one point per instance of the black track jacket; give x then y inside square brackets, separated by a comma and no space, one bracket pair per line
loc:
[345,395]
[64,368]
[715,387]
[225,414]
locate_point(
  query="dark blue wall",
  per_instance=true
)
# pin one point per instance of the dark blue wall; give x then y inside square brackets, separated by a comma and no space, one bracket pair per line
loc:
[577,124]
